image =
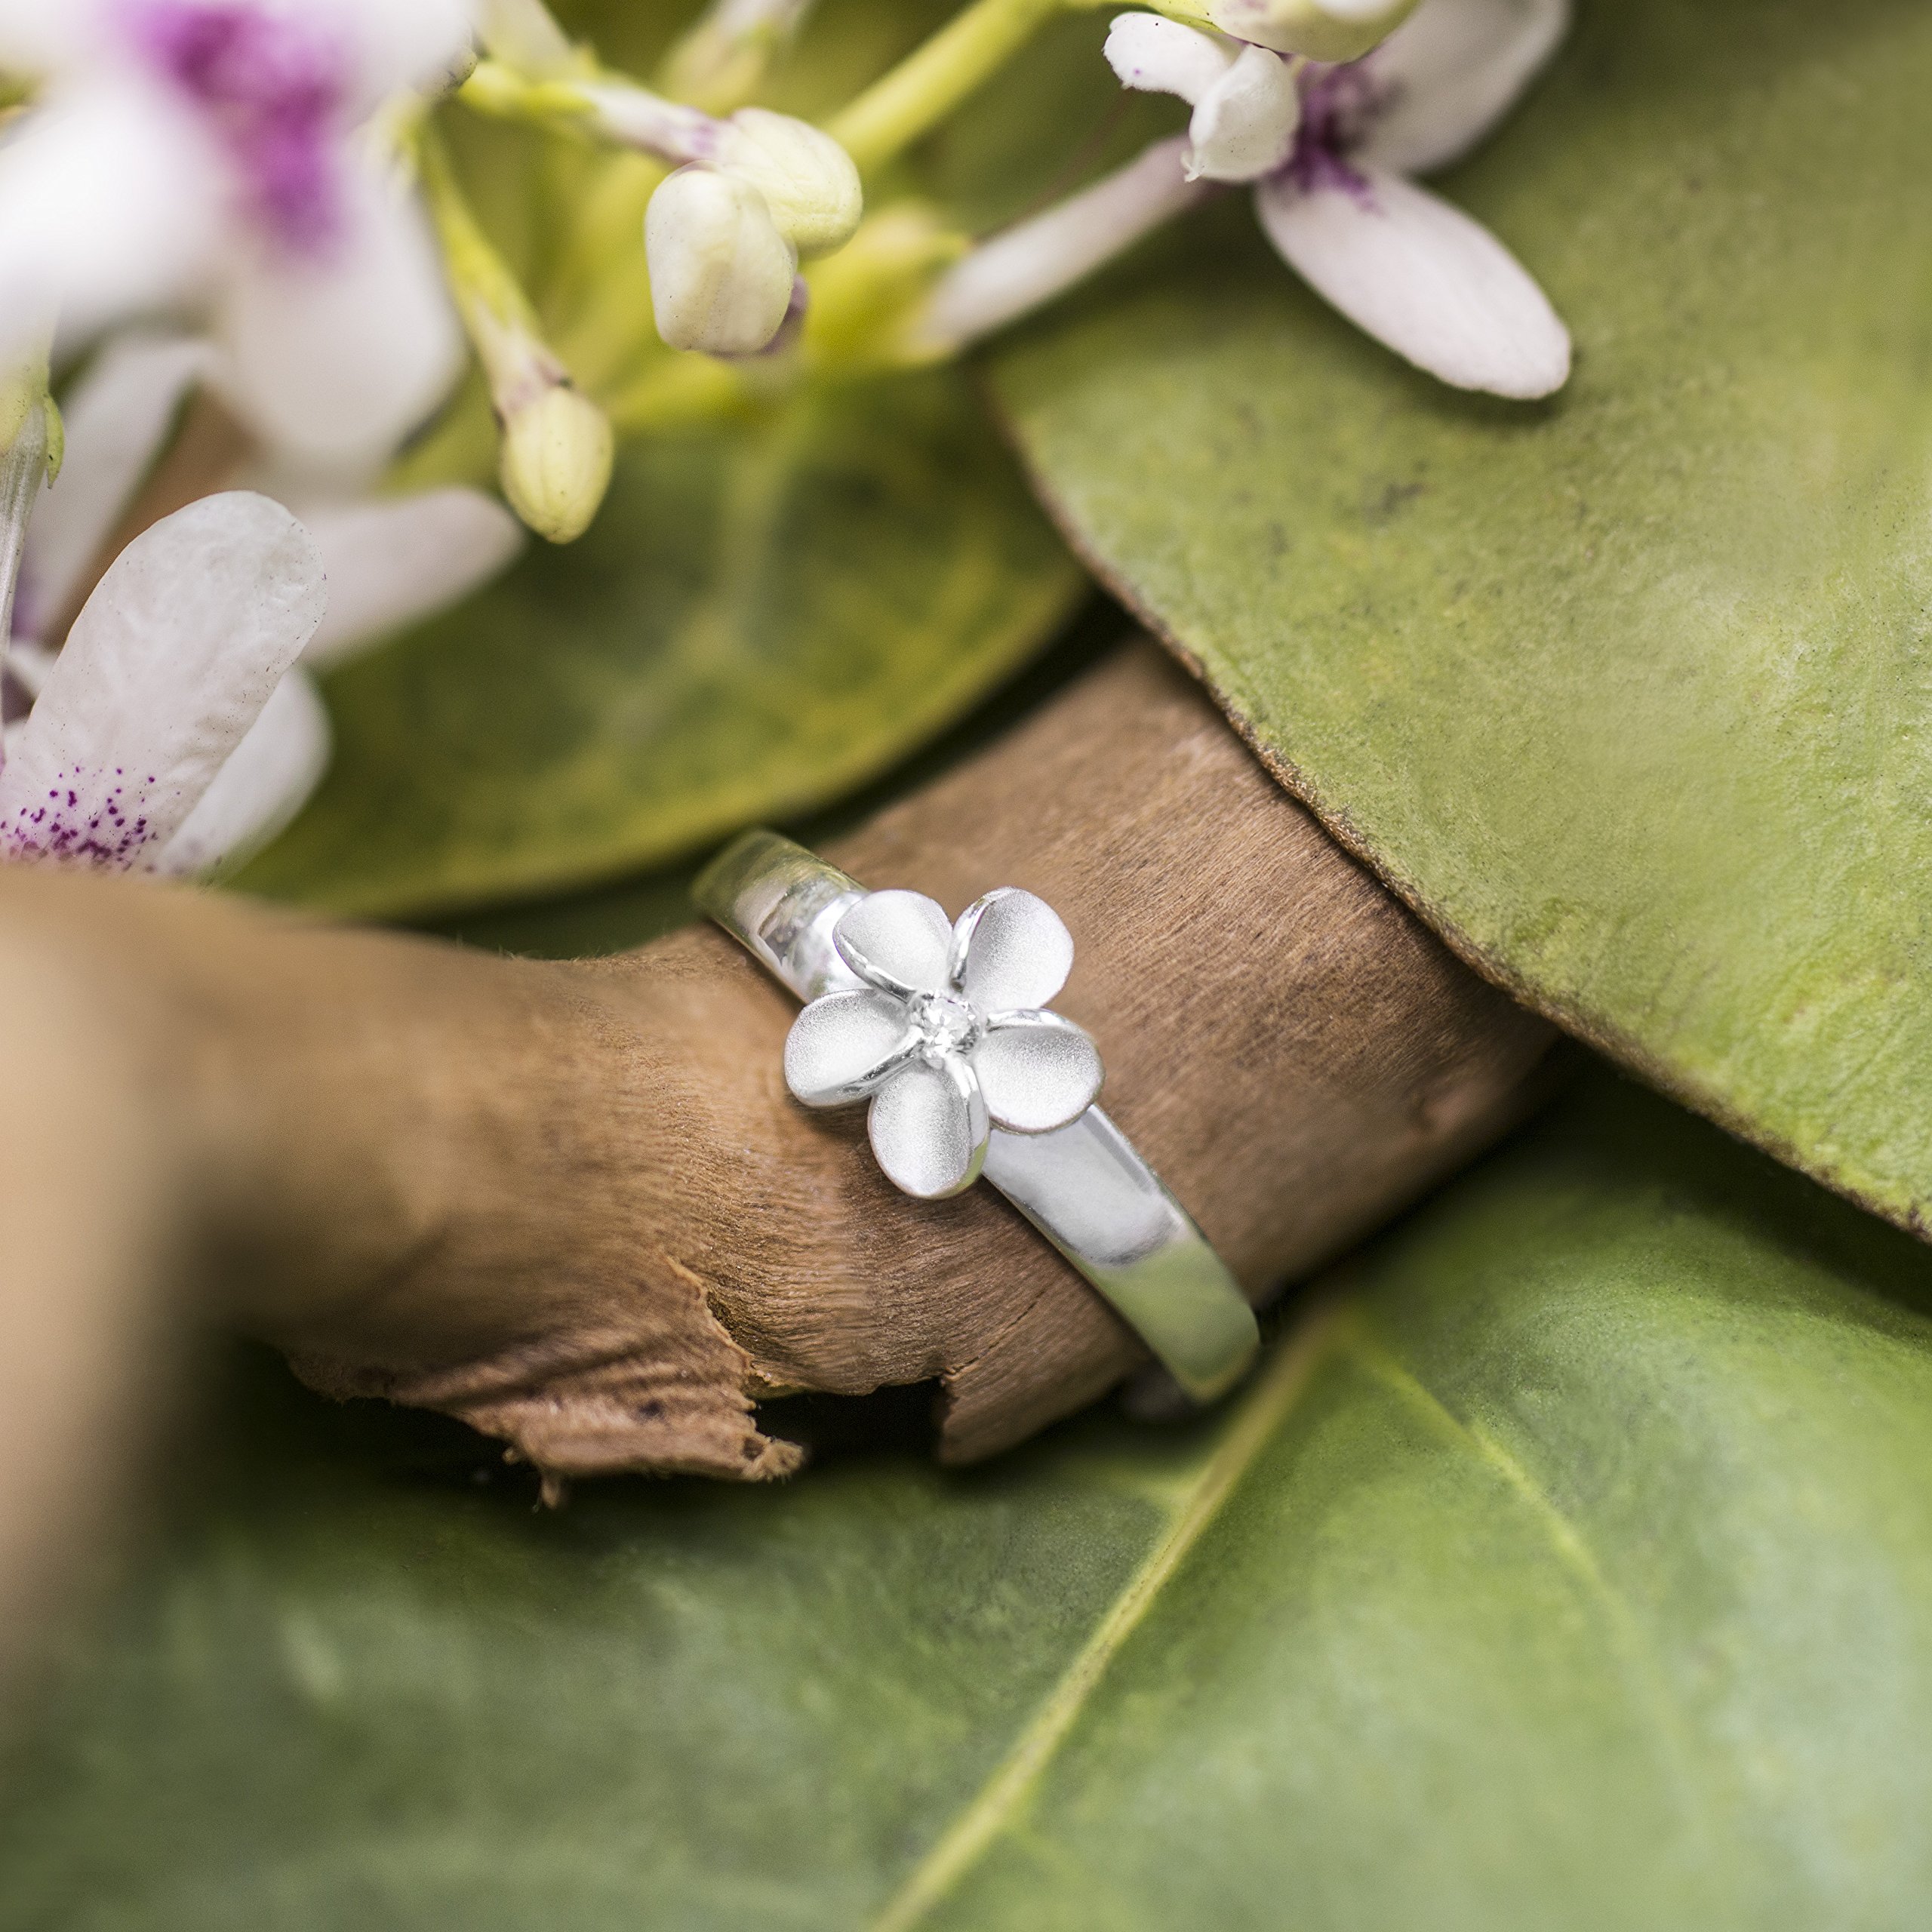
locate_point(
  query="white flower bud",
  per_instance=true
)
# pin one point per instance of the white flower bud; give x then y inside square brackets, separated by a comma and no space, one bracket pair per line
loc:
[555,462]
[1323,29]
[720,272]
[807,180]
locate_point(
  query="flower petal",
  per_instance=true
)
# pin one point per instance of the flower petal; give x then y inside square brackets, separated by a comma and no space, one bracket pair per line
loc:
[395,560]
[169,664]
[897,941]
[1156,56]
[1449,73]
[1035,261]
[1010,950]
[116,418]
[109,202]
[1245,125]
[264,782]
[336,357]
[411,45]
[843,1045]
[928,1127]
[36,38]
[1422,277]
[1037,1070]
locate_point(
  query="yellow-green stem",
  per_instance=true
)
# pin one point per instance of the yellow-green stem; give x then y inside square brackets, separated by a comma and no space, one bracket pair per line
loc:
[931,81]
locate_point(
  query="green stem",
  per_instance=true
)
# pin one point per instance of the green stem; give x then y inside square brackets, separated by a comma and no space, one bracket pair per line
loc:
[932,80]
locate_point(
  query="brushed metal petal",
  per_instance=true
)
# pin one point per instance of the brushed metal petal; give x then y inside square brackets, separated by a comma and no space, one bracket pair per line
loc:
[928,1126]
[1037,1070]
[1010,950]
[899,942]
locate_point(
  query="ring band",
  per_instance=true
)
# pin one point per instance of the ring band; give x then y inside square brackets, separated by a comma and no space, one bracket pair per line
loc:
[944,1026]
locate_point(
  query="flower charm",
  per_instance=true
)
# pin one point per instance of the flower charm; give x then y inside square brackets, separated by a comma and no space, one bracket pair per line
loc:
[949,1036]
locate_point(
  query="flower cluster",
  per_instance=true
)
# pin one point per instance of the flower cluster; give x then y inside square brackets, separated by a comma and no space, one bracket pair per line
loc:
[250,207]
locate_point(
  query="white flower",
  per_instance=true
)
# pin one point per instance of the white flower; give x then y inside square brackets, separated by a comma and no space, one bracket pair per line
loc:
[213,154]
[1331,168]
[949,1036]
[387,562]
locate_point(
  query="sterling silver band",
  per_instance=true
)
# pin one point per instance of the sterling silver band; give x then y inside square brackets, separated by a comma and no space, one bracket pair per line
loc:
[1082,1185]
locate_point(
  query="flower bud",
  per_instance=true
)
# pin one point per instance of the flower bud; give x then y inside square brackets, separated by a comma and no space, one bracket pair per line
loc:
[807,180]
[555,462]
[720,272]
[1322,29]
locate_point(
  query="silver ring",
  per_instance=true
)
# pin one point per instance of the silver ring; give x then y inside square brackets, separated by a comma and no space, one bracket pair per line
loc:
[943,1026]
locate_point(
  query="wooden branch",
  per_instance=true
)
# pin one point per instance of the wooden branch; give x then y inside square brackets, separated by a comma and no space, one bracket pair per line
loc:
[574,1204]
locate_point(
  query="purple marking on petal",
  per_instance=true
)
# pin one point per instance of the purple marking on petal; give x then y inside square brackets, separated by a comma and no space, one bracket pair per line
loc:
[106,841]
[1339,107]
[271,87]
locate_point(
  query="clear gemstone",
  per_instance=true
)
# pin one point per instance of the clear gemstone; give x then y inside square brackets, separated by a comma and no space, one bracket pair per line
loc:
[945,1024]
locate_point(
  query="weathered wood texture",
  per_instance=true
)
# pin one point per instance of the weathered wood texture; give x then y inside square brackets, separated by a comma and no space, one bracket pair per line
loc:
[574,1204]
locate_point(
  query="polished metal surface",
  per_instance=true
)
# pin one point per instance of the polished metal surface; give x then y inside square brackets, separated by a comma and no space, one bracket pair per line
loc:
[943,1026]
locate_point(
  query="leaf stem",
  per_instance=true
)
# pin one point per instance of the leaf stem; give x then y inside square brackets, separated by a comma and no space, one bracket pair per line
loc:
[934,78]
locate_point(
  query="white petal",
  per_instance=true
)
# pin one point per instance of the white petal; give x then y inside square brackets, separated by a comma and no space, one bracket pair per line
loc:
[169,664]
[265,781]
[1422,277]
[39,38]
[897,941]
[337,357]
[928,1128]
[1037,1070]
[843,1046]
[1010,950]
[1244,126]
[398,43]
[1450,73]
[110,201]
[394,560]
[116,416]
[1035,261]
[1156,56]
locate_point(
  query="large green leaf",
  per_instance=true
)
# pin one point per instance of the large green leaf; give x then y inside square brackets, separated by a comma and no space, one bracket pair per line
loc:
[1630,694]
[763,616]
[1572,1568]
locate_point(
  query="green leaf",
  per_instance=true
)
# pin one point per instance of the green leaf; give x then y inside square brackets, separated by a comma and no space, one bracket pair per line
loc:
[763,616]
[1572,1566]
[1628,692]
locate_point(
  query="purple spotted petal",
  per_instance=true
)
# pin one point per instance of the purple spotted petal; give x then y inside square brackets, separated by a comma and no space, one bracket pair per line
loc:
[167,667]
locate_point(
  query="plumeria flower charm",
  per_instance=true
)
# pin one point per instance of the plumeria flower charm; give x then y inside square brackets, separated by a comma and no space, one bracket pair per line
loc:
[949,1036]
[1331,152]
